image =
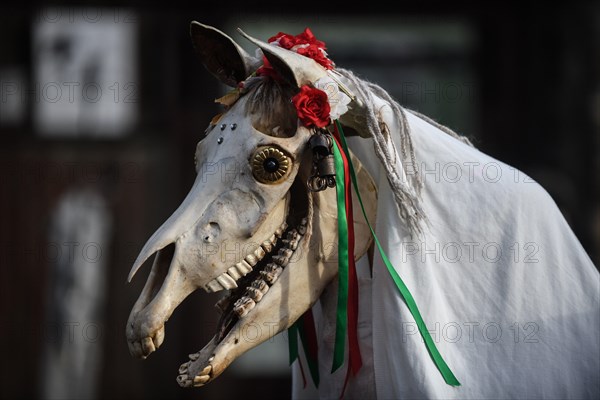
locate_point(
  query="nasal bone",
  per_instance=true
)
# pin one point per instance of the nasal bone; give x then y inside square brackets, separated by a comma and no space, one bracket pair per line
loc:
[170,231]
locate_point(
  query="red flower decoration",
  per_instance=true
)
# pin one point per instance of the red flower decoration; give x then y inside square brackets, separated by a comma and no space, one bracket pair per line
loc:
[312,107]
[305,44]
[308,37]
[286,40]
[317,54]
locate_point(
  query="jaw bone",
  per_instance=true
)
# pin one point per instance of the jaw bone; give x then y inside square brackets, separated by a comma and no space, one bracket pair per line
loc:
[266,303]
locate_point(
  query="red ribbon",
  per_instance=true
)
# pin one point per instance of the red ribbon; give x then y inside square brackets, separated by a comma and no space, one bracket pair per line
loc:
[354,357]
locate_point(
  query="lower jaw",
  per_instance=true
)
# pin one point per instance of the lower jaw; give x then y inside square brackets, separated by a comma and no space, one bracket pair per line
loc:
[207,364]
[239,303]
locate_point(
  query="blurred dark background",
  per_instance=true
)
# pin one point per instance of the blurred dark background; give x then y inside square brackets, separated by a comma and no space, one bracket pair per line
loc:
[100,111]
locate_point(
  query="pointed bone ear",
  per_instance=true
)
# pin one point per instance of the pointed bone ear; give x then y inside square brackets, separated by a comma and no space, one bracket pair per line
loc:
[293,67]
[221,55]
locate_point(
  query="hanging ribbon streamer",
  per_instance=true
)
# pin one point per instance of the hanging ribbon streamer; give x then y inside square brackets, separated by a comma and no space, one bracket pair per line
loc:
[342,305]
[347,309]
[402,288]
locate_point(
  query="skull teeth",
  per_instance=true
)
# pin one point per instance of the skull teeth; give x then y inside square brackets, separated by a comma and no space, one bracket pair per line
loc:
[228,279]
[243,267]
[271,273]
[251,259]
[302,226]
[279,231]
[256,291]
[213,286]
[234,273]
[259,253]
[267,246]
[287,253]
[290,244]
[243,306]
[281,260]
[254,294]
[200,380]
[260,285]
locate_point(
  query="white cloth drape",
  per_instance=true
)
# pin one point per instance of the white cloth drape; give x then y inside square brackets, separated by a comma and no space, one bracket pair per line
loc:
[508,293]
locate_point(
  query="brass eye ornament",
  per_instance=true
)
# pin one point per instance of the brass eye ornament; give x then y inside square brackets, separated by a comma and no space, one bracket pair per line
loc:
[270,165]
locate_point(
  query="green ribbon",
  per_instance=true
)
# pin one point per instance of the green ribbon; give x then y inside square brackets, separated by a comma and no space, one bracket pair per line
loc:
[404,292]
[342,307]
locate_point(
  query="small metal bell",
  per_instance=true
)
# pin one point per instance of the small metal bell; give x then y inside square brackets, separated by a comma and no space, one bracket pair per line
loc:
[320,144]
[326,166]
[323,173]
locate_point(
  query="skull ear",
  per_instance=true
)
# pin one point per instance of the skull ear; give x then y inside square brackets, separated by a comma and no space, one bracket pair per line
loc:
[221,55]
[296,69]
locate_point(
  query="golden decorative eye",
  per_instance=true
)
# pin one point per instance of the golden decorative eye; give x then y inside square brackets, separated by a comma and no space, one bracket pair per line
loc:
[270,165]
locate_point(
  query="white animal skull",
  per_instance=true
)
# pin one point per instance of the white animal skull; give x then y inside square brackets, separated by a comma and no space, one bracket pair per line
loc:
[242,229]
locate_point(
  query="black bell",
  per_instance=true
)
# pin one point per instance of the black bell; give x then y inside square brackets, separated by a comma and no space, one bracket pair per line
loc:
[320,144]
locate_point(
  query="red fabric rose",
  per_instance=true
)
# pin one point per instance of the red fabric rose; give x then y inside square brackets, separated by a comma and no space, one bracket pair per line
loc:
[286,41]
[307,37]
[312,107]
[305,44]
[315,52]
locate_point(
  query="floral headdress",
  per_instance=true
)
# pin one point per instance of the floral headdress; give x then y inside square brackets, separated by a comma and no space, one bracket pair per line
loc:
[317,105]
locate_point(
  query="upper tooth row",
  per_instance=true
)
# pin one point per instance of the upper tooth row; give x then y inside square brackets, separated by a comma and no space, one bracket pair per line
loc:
[256,291]
[267,278]
[227,280]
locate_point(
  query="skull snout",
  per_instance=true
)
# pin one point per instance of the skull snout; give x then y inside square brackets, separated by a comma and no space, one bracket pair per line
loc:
[145,328]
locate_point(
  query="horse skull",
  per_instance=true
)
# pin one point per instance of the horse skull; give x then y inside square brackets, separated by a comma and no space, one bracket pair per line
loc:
[235,231]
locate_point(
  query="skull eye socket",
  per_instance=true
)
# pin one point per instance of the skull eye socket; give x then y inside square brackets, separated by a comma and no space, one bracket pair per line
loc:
[270,165]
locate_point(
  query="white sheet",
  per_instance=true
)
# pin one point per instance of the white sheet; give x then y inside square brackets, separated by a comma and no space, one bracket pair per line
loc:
[505,288]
